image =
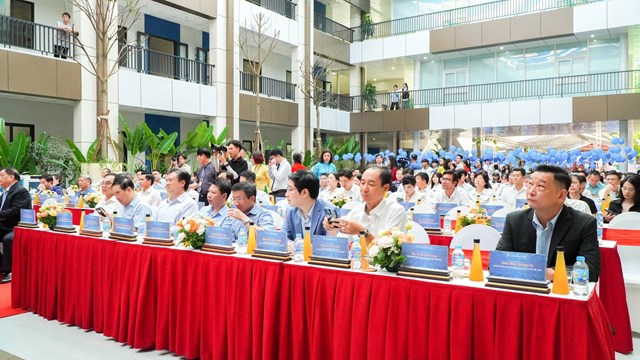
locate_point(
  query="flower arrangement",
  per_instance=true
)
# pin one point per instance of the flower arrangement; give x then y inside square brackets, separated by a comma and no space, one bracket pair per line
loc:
[47,214]
[191,230]
[92,199]
[73,189]
[476,215]
[340,200]
[386,249]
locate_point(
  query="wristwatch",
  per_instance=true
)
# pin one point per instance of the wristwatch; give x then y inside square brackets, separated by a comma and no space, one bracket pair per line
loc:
[366,232]
[245,222]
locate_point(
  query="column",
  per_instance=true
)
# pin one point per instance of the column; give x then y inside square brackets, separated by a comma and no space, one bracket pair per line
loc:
[302,135]
[624,134]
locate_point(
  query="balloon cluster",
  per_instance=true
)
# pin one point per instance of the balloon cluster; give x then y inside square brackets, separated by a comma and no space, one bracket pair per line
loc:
[617,153]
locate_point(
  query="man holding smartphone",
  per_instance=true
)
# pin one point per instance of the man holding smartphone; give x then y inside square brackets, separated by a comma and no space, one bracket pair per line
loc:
[305,209]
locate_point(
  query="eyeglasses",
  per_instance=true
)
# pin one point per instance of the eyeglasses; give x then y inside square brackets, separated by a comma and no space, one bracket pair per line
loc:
[107,182]
[446,180]
[238,198]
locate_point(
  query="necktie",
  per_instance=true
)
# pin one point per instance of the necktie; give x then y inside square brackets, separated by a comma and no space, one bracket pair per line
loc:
[4,197]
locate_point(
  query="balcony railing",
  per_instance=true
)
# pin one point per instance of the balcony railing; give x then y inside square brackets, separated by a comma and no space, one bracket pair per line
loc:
[282,7]
[463,15]
[29,35]
[336,101]
[166,65]
[565,86]
[268,86]
[331,27]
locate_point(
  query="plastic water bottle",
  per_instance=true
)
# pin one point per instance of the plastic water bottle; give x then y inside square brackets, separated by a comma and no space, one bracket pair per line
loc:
[446,226]
[279,211]
[106,224]
[580,277]
[599,222]
[298,248]
[457,263]
[356,255]
[242,242]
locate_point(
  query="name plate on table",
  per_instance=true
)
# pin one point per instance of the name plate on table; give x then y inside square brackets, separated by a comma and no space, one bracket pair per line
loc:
[520,203]
[518,271]
[64,222]
[92,223]
[123,229]
[427,221]
[28,218]
[218,240]
[443,208]
[407,205]
[343,212]
[492,208]
[425,261]
[271,244]
[497,222]
[73,201]
[158,233]
[330,251]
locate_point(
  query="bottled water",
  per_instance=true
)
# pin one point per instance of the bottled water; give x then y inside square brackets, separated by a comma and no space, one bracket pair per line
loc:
[446,226]
[242,242]
[580,277]
[599,222]
[457,263]
[356,255]
[106,224]
[279,211]
[298,248]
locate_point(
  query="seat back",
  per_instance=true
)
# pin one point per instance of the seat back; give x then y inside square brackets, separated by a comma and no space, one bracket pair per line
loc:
[453,213]
[277,219]
[421,236]
[628,221]
[488,237]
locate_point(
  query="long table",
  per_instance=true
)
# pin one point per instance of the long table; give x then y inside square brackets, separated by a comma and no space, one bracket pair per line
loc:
[214,306]
[76,213]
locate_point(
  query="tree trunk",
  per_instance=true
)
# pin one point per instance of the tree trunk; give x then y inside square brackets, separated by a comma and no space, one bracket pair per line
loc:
[257,140]
[102,84]
[318,137]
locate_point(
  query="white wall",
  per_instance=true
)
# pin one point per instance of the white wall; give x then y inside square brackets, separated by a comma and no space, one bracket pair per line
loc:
[54,119]
[49,12]
[287,27]
[270,134]
[333,120]
[275,67]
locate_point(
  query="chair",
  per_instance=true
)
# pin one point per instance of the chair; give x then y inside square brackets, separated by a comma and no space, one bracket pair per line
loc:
[488,237]
[502,212]
[283,205]
[453,213]
[278,222]
[423,209]
[421,236]
[350,205]
[628,221]
[578,205]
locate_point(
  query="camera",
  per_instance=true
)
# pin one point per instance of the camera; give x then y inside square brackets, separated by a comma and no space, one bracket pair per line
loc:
[174,159]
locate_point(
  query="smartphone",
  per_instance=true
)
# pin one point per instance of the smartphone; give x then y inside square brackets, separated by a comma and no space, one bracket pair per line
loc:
[331,214]
[611,212]
[101,211]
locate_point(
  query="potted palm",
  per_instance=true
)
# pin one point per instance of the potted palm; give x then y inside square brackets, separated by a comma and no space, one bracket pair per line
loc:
[369,96]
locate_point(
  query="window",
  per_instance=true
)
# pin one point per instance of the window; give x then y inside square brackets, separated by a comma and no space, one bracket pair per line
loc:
[13,130]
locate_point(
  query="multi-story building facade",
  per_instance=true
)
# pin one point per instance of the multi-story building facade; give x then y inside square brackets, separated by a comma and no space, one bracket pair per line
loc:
[476,70]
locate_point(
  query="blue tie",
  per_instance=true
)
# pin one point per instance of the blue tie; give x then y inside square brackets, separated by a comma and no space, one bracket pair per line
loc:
[4,197]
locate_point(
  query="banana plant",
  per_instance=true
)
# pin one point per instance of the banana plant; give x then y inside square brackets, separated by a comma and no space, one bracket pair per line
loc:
[91,152]
[160,145]
[201,136]
[221,139]
[136,142]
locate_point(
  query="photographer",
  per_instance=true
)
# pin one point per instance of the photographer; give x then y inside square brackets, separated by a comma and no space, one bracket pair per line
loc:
[180,162]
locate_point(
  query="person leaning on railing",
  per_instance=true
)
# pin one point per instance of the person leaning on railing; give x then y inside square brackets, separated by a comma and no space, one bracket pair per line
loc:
[65,31]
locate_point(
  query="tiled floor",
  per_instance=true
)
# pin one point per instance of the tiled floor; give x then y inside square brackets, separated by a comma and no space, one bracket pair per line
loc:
[31,337]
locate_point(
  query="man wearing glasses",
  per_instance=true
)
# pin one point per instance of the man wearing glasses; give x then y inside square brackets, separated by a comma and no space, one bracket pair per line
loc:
[109,203]
[246,210]
[450,193]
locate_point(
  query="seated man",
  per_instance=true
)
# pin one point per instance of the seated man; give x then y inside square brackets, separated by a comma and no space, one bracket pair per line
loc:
[549,224]
[148,194]
[249,177]
[108,203]
[246,210]
[14,198]
[217,209]
[351,190]
[305,207]
[158,181]
[375,213]
[450,192]
[132,206]
[46,183]
[178,204]
[84,183]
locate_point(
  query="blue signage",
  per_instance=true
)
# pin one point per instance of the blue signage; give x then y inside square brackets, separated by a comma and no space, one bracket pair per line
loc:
[407,205]
[92,223]
[64,219]
[343,212]
[73,200]
[443,208]
[28,216]
[518,265]
[520,203]
[123,226]
[270,240]
[425,256]
[492,208]
[159,230]
[332,247]
[427,221]
[216,235]
[497,222]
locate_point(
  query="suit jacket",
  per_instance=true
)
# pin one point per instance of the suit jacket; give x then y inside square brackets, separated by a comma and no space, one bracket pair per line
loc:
[16,198]
[574,230]
[293,223]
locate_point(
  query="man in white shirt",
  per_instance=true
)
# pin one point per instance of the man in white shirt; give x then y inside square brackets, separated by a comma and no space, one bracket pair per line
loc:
[518,191]
[178,203]
[351,190]
[324,185]
[613,186]
[375,213]
[249,176]
[450,193]
[158,181]
[422,179]
[148,194]
[279,171]
[109,203]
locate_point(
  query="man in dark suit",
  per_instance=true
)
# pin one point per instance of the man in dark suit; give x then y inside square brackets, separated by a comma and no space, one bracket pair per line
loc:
[14,198]
[549,224]
[305,207]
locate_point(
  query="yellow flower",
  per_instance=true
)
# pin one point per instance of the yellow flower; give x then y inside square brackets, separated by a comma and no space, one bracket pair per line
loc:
[53,213]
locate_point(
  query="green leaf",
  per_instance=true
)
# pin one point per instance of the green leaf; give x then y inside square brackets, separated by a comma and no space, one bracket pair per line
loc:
[76,151]
[91,151]
[18,151]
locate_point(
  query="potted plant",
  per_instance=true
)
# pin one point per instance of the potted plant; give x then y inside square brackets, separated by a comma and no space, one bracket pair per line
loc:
[366,24]
[369,96]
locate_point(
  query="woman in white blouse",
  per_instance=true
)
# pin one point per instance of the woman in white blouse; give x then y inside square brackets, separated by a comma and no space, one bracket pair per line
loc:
[483,189]
[410,194]
[334,189]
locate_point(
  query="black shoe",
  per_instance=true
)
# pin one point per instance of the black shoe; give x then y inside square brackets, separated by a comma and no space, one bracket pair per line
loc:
[6,279]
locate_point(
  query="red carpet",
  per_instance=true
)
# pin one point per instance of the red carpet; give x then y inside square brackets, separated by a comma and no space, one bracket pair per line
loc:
[5,302]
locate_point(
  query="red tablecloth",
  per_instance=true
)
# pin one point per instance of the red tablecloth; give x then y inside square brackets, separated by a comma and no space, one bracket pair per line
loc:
[612,291]
[76,213]
[210,306]
[622,236]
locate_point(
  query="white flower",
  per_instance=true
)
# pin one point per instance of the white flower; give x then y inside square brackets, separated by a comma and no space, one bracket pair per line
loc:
[200,230]
[181,236]
[187,227]
[385,242]
[373,251]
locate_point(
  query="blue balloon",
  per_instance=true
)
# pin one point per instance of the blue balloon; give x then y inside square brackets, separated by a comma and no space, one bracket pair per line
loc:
[474,151]
[345,157]
[627,149]
[357,158]
[614,141]
[336,158]
[621,141]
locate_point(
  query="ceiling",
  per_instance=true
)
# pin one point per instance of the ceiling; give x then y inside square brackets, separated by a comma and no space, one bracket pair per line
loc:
[172,14]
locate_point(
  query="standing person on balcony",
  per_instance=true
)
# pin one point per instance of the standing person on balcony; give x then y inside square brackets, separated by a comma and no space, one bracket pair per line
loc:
[405,96]
[325,165]
[65,30]
[395,98]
